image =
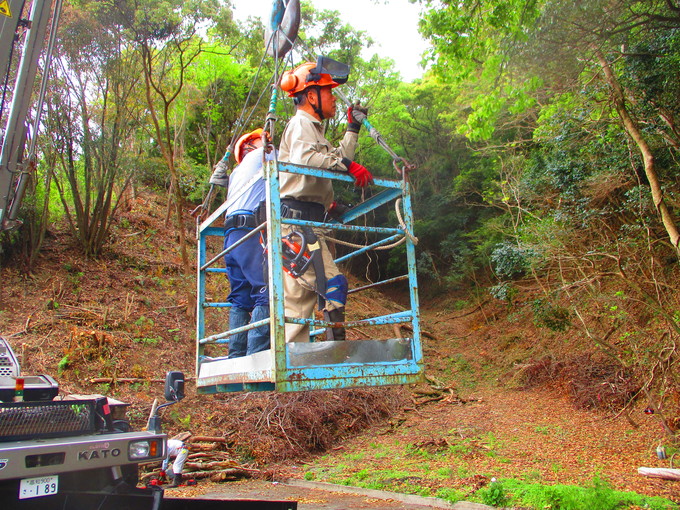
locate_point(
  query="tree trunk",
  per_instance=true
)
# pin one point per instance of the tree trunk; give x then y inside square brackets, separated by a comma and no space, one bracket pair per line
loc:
[634,132]
[165,143]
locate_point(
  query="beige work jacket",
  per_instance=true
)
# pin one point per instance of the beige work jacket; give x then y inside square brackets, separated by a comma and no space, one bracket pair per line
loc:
[303,143]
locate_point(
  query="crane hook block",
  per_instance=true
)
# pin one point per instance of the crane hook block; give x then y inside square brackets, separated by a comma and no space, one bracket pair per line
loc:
[281,31]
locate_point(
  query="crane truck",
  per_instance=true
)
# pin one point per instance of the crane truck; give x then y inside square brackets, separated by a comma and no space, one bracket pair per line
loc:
[80,453]
[64,452]
[55,452]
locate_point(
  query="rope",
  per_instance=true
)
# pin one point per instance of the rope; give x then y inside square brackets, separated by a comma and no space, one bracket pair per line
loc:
[268,124]
[402,225]
[397,207]
[240,122]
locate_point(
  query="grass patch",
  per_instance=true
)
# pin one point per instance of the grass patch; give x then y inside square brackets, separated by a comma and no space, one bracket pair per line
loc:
[462,371]
[450,495]
[418,477]
[598,495]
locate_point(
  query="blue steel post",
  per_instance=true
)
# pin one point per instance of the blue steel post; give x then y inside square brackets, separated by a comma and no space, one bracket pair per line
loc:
[412,273]
[276,305]
[200,300]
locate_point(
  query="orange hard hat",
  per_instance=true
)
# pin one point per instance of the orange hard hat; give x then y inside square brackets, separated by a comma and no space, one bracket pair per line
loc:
[248,137]
[303,76]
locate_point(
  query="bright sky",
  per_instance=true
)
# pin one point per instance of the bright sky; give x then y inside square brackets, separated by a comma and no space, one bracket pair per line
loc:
[393,25]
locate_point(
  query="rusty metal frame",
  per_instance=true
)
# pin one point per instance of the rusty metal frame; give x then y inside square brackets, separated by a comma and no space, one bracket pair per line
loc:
[284,368]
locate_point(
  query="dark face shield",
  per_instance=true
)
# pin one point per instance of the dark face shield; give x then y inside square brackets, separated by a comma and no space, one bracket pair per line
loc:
[338,71]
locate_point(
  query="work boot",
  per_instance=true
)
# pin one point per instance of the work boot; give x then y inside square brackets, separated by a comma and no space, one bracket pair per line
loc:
[258,338]
[176,480]
[238,317]
[336,315]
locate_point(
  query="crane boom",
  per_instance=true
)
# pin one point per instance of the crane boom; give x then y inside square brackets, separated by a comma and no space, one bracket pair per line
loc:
[17,90]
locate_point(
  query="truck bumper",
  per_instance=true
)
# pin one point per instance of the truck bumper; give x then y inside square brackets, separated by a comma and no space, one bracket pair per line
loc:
[26,459]
[144,499]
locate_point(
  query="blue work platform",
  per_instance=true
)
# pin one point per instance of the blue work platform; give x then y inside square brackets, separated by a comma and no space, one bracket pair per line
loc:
[387,358]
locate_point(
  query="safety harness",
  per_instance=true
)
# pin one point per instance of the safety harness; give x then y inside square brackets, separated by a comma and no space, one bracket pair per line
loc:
[301,248]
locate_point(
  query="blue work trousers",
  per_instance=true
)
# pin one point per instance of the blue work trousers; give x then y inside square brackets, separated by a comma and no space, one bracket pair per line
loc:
[247,271]
[249,296]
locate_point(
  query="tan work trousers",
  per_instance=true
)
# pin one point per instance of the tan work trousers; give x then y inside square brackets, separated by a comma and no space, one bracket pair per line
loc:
[300,297]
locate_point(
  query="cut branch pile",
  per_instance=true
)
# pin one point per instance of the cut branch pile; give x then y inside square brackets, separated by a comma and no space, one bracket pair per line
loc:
[437,391]
[276,427]
[209,458]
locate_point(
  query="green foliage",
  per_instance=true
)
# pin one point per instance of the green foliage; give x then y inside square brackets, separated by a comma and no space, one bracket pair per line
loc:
[220,85]
[472,44]
[652,70]
[494,494]
[426,267]
[39,208]
[550,315]
[64,363]
[103,389]
[598,495]
[185,422]
[144,322]
[194,181]
[504,291]
[510,260]
[146,340]
[151,171]
[451,495]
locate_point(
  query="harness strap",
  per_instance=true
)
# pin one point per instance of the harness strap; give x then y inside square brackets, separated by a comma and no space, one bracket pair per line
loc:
[240,221]
[317,261]
[301,210]
[310,211]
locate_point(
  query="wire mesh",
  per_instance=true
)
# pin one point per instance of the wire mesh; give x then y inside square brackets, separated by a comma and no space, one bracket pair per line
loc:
[34,420]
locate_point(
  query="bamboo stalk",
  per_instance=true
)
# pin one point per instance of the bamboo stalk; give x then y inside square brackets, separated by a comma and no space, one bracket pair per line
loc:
[665,473]
[208,439]
[223,474]
[154,406]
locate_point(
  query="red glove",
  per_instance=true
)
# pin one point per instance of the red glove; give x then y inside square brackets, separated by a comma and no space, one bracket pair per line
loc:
[161,475]
[362,177]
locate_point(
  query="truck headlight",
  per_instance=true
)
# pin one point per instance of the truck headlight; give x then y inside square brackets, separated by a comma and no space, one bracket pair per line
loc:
[141,450]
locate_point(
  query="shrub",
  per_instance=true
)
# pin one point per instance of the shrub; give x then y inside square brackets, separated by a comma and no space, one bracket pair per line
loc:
[510,260]
[548,314]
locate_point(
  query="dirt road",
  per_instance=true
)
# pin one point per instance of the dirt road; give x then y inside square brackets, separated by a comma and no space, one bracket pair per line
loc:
[322,496]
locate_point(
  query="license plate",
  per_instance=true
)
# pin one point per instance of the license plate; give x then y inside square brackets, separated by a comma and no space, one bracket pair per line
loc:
[37,487]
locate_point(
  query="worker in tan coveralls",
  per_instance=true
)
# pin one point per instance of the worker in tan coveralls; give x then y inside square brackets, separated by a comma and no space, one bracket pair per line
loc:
[306,197]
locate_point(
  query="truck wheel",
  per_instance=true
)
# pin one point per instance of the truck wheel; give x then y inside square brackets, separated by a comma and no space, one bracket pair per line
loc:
[122,426]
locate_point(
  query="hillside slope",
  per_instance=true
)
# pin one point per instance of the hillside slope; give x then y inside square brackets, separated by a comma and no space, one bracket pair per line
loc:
[490,407]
